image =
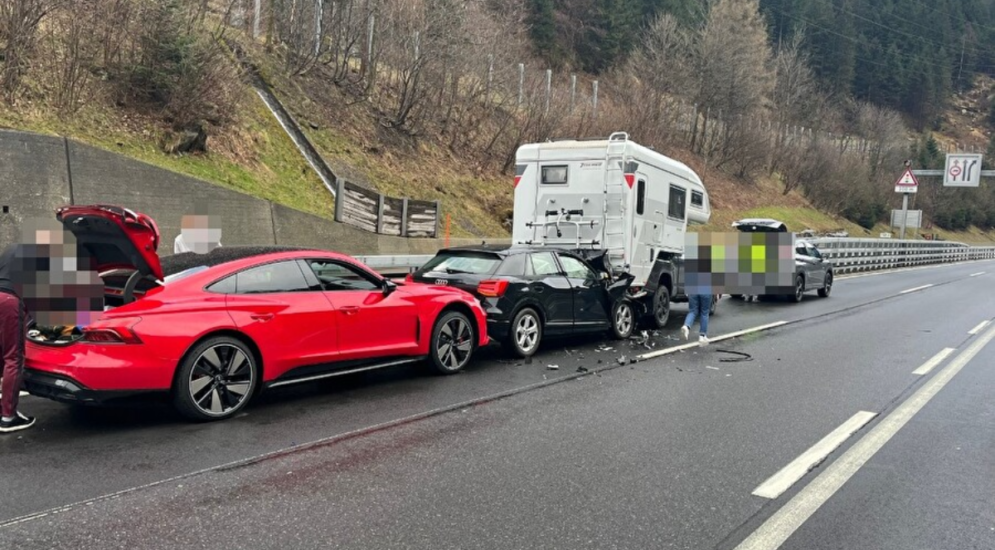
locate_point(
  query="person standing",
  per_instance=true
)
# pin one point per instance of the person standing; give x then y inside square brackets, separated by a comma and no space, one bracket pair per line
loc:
[12,325]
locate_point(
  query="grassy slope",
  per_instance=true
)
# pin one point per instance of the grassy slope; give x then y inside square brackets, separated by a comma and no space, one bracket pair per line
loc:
[254,157]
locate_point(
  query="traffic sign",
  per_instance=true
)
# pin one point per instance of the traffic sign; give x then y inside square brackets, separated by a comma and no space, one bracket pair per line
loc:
[914,218]
[963,170]
[907,183]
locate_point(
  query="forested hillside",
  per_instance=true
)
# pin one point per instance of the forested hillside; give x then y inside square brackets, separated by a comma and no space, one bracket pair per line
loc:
[905,54]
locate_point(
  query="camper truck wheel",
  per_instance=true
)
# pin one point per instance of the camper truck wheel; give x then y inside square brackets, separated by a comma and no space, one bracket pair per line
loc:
[661,307]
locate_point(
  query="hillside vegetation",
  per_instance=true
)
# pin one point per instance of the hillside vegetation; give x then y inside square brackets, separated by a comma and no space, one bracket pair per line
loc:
[430,98]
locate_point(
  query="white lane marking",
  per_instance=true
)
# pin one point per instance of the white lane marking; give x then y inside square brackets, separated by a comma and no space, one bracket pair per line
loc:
[936,360]
[904,269]
[779,527]
[711,339]
[978,273]
[797,468]
[915,289]
[978,328]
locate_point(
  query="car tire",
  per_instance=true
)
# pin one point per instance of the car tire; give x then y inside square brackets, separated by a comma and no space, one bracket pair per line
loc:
[216,380]
[525,334]
[799,289]
[715,304]
[623,320]
[452,345]
[828,288]
[660,312]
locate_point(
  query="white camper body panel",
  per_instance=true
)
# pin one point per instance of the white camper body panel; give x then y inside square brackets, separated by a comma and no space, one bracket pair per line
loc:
[612,195]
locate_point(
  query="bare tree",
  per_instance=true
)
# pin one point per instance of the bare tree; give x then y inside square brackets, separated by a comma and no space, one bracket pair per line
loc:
[19,22]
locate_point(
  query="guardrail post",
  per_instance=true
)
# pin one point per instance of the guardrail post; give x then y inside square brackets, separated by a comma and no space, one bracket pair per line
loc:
[404,217]
[339,198]
[380,205]
[438,218]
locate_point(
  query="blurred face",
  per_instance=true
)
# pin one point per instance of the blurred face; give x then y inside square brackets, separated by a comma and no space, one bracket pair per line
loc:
[59,285]
[201,232]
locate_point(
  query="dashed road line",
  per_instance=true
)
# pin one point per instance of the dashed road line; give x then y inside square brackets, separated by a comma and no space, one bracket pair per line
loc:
[978,273]
[935,360]
[923,287]
[780,526]
[978,328]
[797,468]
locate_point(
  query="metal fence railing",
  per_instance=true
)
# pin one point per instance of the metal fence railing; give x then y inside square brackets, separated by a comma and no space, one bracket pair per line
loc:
[849,255]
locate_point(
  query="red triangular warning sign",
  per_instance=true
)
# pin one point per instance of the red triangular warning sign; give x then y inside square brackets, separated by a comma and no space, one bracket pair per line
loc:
[908,179]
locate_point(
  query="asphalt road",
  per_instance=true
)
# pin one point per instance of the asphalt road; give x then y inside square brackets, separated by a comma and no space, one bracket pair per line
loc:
[662,453]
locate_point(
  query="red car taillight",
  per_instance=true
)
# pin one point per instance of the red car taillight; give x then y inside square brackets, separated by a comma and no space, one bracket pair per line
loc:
[492,288]
[124,334]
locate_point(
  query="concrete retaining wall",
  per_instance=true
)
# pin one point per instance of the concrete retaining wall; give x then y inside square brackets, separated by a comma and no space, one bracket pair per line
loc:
[40,173]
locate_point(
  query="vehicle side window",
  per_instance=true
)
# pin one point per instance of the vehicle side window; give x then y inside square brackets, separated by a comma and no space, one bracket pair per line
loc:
[678,197]
[814,252]
[543,263]
[513,266]
[335,276]
[801,250]
[271,278]
[697,198]
[576,269]
[224,286]
[640,197]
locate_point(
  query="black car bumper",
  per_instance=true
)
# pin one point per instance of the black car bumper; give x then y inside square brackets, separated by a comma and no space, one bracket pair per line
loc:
[67,390]
[498,329]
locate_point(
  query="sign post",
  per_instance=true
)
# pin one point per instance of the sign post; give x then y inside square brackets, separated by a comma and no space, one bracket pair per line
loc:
[905,185]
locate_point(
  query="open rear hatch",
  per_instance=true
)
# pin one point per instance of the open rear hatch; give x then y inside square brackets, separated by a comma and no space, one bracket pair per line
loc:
[123,246]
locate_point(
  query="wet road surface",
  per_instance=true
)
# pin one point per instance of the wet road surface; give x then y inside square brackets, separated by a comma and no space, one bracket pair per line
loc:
[661,453]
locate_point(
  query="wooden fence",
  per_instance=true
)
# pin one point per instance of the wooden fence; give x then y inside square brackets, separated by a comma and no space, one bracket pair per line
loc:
[369,210]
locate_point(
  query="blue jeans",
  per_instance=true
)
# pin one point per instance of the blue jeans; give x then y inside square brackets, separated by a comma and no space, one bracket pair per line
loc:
[698,306]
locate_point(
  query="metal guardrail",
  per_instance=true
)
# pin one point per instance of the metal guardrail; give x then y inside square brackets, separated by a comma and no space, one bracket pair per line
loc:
[849,255]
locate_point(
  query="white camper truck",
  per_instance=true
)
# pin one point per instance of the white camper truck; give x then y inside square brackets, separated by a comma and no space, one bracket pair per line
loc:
[613,198]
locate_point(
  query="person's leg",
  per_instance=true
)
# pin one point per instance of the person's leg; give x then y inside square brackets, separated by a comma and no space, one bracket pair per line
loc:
[12,350]
[705,304]
[689,320]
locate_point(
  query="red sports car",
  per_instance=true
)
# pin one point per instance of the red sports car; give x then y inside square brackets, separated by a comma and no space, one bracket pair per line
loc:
[214,329]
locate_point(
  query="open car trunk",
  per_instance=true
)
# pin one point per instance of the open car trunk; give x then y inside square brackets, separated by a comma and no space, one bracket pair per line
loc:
[122,245]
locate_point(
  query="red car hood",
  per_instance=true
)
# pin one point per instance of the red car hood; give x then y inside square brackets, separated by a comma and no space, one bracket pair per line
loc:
[115,237]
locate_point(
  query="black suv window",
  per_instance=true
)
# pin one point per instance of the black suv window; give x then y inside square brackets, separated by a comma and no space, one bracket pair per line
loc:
[334,276]
[476,263]
[543,263]
[576,269]
[271,278]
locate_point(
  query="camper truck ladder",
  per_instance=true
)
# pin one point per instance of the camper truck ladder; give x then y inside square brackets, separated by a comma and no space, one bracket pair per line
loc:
[614,207]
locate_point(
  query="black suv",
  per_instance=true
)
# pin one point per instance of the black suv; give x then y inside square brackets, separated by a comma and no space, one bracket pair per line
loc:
[532,292]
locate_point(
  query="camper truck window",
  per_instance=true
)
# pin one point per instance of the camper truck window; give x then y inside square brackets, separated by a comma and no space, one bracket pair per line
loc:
[554,174]
[697,199]
[640,197]
[677,197]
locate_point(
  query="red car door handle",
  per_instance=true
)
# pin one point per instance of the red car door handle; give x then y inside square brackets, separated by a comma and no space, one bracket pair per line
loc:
[262,316]
[350,310]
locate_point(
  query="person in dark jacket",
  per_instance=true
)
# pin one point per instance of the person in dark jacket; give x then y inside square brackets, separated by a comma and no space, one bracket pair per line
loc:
[13,324]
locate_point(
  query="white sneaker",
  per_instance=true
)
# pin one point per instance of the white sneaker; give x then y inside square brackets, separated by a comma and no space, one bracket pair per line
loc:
[685,331]
[703,340]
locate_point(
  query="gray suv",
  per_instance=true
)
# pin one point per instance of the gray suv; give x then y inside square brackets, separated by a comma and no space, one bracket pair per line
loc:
[812,271]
